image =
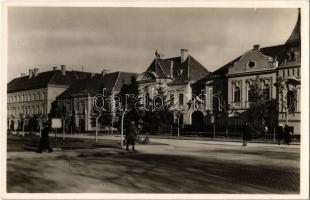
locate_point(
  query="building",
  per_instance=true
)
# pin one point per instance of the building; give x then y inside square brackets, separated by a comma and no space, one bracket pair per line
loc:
[175,78]
[31,96]
[278,70]
[78,99]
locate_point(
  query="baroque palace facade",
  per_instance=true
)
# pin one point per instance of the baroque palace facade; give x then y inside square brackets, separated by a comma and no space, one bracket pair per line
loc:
[200,98]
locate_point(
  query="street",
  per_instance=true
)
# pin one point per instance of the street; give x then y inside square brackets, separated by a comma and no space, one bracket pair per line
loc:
[164,166]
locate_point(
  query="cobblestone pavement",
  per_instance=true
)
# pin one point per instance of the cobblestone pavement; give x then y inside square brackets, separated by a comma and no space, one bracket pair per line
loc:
[166,166]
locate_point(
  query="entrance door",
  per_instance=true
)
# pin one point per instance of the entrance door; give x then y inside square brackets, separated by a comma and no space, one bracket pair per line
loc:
[198,121]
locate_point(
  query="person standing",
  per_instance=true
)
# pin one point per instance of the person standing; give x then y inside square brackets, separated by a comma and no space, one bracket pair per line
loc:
[280,133]
[44,140]
[131,136]
[246,133]
[287,134]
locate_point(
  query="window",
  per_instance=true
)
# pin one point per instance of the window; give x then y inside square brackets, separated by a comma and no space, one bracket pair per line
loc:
[237,94]
[291,100]
[38,96]
[298,73]
[251,64]
[266,92]
[288,72]
[147,100]
[181,99]
[293,72]
[33,97]
[43,96]
[293,56]
[250,94]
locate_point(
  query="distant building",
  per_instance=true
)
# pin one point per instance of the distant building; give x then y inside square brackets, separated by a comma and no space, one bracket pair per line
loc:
[176,76]
[31,96]
[78,99]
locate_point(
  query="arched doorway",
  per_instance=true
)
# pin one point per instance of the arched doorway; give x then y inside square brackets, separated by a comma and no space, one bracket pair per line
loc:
[197,121]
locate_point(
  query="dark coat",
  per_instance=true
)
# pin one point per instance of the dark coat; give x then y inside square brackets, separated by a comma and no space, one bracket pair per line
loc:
[44,141]
[246,132]
[131,134]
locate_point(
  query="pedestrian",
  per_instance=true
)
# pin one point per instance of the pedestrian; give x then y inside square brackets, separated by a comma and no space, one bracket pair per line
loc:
[287,134]
[131,135]
[246,133]
[44,140]
[280,133]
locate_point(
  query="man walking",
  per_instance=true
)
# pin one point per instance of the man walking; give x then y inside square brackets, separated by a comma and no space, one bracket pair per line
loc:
[44,141]
[131,135]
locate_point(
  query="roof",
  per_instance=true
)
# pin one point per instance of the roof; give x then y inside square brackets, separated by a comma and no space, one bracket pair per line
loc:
[294,39]
[179,71]
[43,79]
[278,51]
[94,85]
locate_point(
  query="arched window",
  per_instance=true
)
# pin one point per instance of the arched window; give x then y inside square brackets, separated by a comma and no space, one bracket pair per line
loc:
[291,101]
[237,94]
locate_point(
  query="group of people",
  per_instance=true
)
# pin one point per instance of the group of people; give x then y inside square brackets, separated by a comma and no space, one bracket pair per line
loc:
[283,133]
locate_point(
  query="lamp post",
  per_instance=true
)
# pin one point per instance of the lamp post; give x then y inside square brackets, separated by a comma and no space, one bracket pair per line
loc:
[214,112]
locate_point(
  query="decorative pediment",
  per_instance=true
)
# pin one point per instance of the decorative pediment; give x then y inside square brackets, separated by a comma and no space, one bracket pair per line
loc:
[253,60]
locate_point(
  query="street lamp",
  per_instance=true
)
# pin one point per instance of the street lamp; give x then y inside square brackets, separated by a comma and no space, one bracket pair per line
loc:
[214,114]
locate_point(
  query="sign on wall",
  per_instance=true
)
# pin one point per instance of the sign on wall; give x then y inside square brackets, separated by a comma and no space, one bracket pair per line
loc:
[56,123]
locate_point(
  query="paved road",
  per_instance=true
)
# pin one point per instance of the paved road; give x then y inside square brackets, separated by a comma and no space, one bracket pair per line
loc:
[165,166]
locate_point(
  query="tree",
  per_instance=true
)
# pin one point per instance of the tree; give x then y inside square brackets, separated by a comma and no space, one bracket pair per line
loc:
[262,111]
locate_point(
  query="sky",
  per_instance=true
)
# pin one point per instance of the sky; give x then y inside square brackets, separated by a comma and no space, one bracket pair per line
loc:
[125,39]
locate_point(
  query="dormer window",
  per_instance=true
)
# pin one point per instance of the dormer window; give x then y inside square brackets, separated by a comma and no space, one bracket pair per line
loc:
[293,56]
[251,64]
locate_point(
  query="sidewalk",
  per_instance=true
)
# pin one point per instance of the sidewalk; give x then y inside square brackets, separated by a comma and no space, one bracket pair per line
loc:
[165,139]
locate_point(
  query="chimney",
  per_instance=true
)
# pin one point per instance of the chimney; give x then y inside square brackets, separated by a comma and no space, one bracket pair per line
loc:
[63,70]
[256,47]
[30,73]
[22,75]
[54,68]
[157,55]
[184,54]
[104,72]
[171,69]
[35,72]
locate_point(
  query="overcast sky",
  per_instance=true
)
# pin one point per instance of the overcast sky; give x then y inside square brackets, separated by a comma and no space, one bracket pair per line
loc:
[126,38]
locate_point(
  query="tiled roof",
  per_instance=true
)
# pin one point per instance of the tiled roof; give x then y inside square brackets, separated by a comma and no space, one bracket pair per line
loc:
[93,86]
[188,70]
[43,79]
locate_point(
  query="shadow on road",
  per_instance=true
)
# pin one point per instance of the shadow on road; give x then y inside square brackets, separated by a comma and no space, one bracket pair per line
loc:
[119,171]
